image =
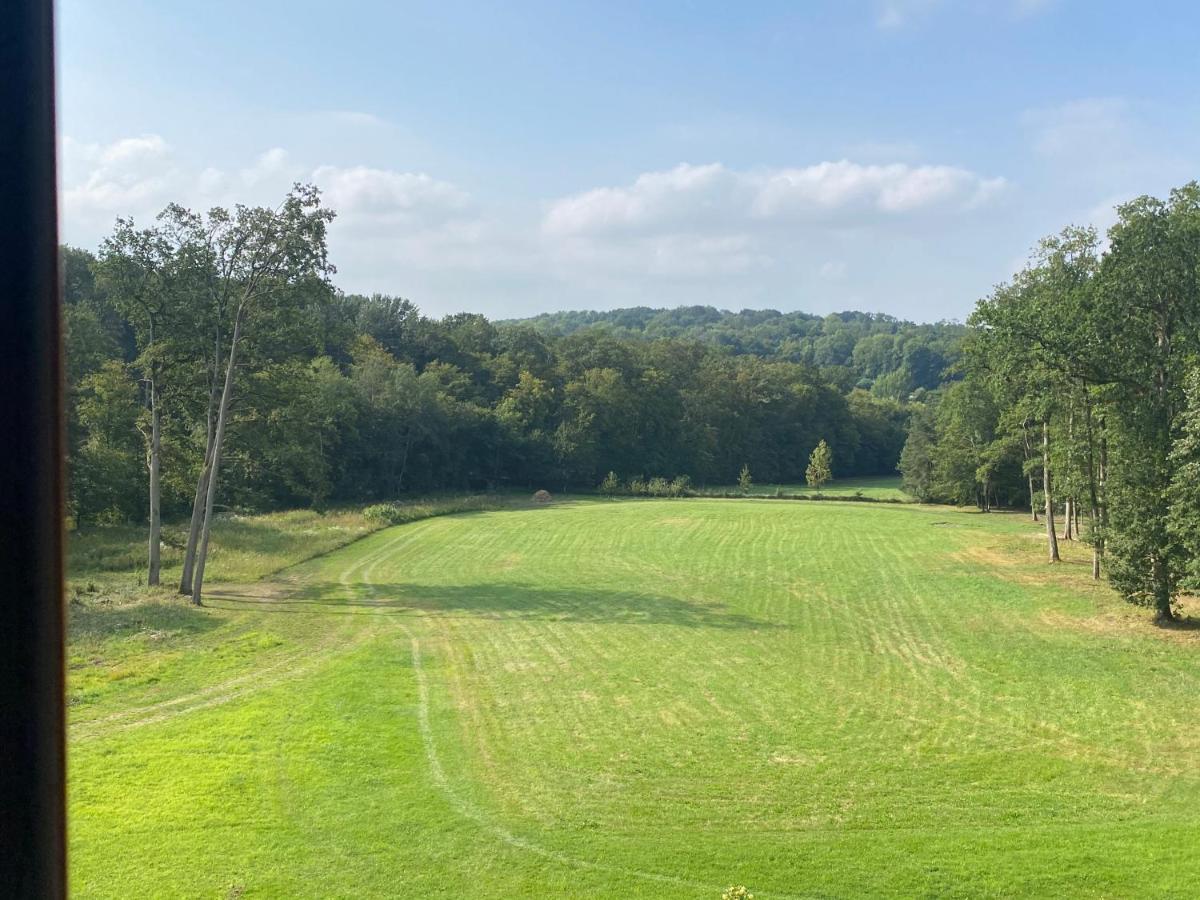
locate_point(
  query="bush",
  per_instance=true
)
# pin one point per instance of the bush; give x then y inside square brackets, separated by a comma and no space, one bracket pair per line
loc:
[611,485]
[637,486]
[401,513]
[745,481]
[381,512]
[681,486]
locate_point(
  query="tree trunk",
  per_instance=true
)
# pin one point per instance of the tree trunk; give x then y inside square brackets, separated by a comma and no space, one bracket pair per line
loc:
[215,462]
[189,554]
[1101,501]
[1094,534]
[1163,613]
[1051,536]
[154,563]
[1028,454]
[1069,503]
[404,460]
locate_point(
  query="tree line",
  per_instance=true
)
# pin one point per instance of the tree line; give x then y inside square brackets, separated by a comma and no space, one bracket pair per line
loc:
[1079,395]
[213,364]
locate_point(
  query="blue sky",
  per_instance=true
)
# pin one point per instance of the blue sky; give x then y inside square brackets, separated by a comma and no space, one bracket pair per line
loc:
[890,155]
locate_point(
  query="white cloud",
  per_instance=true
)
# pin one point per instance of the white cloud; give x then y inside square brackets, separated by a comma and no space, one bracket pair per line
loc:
[138,176]
[693,233]
[272,168]
[865,193]
[696,198]
[382,197]
[713,230]
[102,181]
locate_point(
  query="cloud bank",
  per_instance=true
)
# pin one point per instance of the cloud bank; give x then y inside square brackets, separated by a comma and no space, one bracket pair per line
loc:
[694,232]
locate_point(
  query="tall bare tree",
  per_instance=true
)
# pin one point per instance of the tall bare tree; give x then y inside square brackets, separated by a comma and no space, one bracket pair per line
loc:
[260,258]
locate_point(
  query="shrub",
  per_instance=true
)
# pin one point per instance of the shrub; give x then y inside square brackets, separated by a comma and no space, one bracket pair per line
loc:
[659,487]
[637,486]
[401,513]
[681,486]
[381,512]
[744,479]
[611,485]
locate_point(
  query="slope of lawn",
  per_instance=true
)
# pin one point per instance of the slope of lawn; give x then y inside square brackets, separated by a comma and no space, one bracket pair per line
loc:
[645,699]
[244,547]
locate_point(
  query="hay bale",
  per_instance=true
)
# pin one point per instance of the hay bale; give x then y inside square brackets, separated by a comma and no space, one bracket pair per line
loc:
[542,497]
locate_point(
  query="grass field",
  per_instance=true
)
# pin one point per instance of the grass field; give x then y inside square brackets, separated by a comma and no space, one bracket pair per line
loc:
[643,698]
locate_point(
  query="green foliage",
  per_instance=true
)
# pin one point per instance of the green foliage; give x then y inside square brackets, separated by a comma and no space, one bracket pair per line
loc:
[745,480]
[611,485]
[917,458]
[350,399]
[401,513]
[736,892]
[108,476]
[1094,351]
[1185,486]
[681,486]
[658,487]
[820,466]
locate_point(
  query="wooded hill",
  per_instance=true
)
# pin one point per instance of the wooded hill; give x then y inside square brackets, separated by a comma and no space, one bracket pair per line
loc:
[345,398]
[888,356]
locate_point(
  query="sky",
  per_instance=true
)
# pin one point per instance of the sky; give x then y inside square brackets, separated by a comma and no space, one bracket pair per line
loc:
[896,156]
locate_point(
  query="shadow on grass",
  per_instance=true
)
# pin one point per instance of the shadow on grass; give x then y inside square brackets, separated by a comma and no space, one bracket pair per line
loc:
[98,622]
[501,601]
[1180,623]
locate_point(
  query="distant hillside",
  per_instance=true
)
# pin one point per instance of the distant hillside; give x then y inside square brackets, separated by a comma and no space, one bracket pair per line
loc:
[853,349]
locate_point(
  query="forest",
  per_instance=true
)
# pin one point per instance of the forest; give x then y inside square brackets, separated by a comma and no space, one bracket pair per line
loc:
[218,344]
[1080,396]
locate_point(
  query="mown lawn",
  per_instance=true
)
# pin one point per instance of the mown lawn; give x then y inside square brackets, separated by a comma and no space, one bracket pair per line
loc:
[642,698]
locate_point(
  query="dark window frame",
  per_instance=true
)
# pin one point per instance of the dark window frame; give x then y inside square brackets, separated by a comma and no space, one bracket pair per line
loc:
[32,730]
